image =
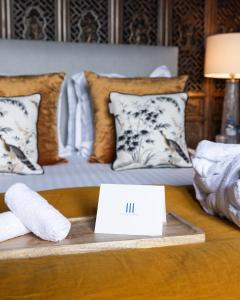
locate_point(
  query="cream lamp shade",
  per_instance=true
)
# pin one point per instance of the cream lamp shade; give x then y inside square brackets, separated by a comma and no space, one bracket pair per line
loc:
[222,57]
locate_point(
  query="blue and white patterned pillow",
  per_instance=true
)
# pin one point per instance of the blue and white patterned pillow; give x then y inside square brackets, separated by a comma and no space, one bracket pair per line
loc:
[150,130]
[18,134]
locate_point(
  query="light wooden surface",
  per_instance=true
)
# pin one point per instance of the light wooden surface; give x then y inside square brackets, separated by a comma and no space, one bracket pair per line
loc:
[82,239]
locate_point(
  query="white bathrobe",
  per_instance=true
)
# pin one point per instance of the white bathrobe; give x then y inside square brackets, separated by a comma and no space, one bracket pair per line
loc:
[216,181]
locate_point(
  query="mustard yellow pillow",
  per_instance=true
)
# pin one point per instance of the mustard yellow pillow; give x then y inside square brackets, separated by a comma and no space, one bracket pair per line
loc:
[100,89]
[48,86]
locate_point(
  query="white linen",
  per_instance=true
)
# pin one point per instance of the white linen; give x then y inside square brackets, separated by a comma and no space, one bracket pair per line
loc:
[63,150]
[80,119]
[216,180]
[83,117]
[78,172]
[11,226]
[80,128]
[59,109]
[72,104]
[161,71]
[84,132]
[36,213]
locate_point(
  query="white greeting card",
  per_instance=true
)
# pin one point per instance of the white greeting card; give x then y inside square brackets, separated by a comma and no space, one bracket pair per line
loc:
[131,209]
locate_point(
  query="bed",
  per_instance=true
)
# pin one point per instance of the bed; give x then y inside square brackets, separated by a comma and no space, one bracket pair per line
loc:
[202,271]
[78,172]
[36,57]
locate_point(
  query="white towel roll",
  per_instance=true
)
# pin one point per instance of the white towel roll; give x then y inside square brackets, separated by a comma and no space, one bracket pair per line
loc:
[36,213]
[11,226]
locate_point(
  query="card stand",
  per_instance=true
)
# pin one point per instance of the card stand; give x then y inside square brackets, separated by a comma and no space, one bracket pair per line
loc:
[82,239]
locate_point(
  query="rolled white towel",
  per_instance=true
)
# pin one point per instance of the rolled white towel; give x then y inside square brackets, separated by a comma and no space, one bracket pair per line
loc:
[36,213]
[11,226]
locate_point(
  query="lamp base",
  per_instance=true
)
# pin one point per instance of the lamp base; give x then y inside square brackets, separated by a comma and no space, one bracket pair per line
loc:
[230,116]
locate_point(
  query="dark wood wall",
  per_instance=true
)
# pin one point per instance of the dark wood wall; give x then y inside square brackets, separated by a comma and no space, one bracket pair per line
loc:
[183,23]
[191,22]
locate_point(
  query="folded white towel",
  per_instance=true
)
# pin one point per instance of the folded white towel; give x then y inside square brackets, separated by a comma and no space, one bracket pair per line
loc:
[216,151]
[36,213]
[11,226]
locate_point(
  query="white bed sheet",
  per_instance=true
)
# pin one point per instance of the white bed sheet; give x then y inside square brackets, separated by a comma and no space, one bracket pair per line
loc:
[78,172]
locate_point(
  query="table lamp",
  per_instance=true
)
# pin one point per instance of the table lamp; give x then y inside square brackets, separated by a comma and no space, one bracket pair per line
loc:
[222,60]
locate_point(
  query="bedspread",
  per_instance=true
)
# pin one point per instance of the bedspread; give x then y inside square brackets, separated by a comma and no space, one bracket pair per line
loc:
[209,270]
[78,172]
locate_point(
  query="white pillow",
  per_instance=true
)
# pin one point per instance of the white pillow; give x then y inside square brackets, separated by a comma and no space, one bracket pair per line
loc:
[63,151]
[18,134]
[150,130]
[161,71]
[72,104]
[84,119]
[80,122]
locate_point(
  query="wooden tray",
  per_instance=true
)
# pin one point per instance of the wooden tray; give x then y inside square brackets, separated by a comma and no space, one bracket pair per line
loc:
[82,239]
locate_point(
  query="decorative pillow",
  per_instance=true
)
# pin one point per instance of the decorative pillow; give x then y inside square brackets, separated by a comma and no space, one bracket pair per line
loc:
[48,86]
[100,89]
[150,131]
[80,120]
[18,135]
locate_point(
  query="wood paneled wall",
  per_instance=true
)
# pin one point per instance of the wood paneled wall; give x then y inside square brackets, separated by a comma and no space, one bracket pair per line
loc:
[184,23]
[191,22]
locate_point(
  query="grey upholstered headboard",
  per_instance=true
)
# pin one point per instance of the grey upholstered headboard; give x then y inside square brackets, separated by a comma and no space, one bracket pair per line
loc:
[36,57]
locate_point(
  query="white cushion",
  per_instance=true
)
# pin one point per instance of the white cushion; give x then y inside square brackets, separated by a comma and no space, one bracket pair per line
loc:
[150,130]
[161,71]
[18,134]
[63,151]
[80,122]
